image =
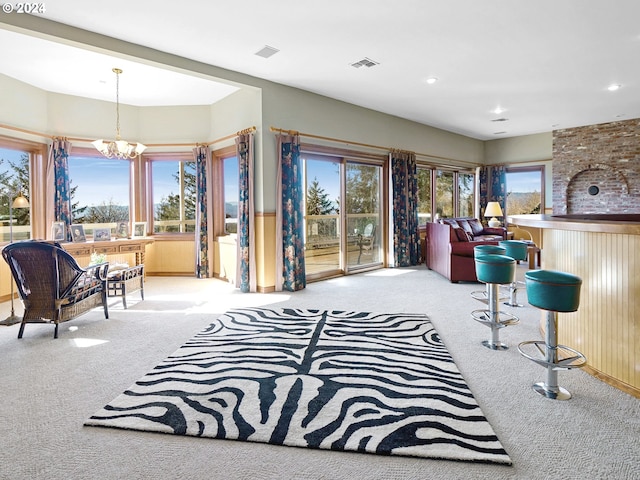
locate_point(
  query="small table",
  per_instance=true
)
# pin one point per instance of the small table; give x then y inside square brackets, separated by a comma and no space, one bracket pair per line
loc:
[128,280]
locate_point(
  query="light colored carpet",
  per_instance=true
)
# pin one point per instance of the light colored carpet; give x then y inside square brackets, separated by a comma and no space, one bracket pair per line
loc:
[49,387]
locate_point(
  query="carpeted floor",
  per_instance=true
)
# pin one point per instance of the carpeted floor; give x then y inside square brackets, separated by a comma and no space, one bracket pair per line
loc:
[356,381]
[48,389]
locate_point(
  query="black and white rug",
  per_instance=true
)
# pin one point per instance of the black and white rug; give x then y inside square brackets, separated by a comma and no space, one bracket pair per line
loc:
[365,382]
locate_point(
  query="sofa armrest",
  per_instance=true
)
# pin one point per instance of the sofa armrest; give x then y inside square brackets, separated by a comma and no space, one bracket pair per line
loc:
[502,231]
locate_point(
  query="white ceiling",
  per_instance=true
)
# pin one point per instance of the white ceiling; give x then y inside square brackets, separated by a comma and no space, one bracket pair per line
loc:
[547,63]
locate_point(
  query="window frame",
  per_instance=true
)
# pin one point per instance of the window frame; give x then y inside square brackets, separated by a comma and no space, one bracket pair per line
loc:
[93,153]
[147,187]
[527,169]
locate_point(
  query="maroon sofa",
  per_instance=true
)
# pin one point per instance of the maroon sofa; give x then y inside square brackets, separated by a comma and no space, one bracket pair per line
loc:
[450,242]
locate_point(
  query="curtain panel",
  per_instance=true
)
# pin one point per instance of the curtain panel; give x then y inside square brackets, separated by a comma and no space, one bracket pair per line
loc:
[483,189]
[404,184]
[290,262]
[201,155]
[246,265]
[58,172]
[499,186]
[492,182]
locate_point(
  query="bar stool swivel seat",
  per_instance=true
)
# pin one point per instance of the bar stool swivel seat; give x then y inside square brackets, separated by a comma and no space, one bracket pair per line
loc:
[554,292]
[494,270]
[483,295]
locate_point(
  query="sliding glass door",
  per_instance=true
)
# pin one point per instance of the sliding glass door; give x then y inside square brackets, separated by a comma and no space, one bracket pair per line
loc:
[322,219]
[341,236]
[363,215]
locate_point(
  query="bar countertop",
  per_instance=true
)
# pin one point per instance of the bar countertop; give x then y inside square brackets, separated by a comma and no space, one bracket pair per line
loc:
[622,223]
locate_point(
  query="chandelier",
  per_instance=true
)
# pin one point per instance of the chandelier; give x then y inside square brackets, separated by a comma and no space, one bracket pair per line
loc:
[118,148]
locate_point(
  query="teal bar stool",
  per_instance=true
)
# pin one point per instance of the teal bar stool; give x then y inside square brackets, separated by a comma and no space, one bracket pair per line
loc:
[494,270]
[518,251]
[483,296]
[554,292]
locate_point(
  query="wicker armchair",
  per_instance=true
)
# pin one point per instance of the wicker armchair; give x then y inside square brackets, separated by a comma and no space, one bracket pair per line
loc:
[53,288]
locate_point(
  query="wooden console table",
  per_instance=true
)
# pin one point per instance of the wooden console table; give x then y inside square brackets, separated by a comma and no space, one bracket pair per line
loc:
[118,246]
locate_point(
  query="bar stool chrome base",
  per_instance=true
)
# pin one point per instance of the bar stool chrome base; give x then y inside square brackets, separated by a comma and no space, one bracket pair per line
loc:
[494,318]
[512,299]
[553,357]
[557,393]
[483,296]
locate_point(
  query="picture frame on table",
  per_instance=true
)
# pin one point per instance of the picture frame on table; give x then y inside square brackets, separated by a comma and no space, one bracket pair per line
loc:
[122,230]
[139,230]
[58,232]
[77,233]
[101,234]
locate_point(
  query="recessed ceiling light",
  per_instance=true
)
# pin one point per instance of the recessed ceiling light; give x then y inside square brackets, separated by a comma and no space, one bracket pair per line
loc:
[613,87]
[267,51]
[498,110]
[431,80]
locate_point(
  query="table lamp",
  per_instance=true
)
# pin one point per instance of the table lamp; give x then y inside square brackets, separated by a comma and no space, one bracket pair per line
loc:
[493,210]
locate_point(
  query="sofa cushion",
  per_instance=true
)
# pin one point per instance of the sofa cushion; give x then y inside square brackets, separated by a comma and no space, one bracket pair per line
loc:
[476,226]
[462,235]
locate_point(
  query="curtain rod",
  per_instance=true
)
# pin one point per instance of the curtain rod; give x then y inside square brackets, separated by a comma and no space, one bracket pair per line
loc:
[388,149]
[76,139]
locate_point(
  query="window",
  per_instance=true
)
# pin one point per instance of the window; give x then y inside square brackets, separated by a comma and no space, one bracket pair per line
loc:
[444,193]
[424,196]
[231,194]
[14,179]
[465,194]
[174,195]
[524,190]
[99,189]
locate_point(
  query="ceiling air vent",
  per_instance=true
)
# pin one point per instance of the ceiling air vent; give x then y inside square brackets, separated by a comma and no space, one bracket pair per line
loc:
[267,51]
[365,62]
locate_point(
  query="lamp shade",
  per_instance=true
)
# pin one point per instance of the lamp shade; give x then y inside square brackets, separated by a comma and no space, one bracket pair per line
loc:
[20,201]
[493,210]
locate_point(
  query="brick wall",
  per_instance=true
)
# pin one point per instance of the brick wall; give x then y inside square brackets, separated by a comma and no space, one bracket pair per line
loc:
[596,169]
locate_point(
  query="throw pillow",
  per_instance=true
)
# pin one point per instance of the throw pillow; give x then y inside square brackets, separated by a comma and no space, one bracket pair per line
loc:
[465,226]
[462,235]
[476,226]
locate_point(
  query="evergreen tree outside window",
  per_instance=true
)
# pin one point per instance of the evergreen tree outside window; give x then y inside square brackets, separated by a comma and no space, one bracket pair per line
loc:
[424,196]
[174,196]
[466,194]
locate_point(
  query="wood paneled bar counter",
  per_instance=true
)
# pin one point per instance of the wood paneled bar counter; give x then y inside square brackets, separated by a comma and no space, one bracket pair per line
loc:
[604,251]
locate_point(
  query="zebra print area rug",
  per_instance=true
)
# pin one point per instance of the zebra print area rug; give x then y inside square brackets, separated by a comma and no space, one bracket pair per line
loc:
[365,382]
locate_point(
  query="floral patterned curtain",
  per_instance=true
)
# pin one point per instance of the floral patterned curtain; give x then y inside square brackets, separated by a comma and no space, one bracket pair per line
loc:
[492,181]
[58,160]
[499,186]
[201,155]
[246,274]
[290,264]
[483,188]
[404,184]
